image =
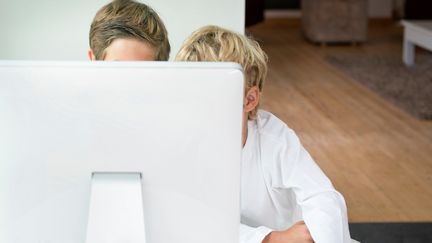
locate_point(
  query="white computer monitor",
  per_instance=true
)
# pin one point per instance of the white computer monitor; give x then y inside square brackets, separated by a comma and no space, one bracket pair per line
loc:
[84,143]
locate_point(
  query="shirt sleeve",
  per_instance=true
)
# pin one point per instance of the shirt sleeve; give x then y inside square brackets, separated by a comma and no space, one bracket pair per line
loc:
[323,208]
[250,234]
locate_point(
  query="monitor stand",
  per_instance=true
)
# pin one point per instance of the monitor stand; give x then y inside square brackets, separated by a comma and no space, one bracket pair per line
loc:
[116,208]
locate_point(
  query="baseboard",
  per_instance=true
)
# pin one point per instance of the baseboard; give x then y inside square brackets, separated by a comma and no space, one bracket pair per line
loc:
[282,13]
[381,21]
[296,14]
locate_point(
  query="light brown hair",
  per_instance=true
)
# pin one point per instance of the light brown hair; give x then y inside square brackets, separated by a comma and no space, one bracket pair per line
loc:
[128,19]
[216,44]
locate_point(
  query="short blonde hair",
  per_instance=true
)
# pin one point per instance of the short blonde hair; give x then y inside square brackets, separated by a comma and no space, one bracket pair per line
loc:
[216,44]
[128,19]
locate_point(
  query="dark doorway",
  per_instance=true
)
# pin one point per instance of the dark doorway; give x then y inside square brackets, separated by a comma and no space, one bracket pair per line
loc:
[282,4]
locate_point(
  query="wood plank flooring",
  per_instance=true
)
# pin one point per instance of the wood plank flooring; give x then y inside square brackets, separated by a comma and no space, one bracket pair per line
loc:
[377,156]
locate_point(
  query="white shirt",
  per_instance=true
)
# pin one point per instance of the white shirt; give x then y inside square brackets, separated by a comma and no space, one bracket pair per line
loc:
[281,185]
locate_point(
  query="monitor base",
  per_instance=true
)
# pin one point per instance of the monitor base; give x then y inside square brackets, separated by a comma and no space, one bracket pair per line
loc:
[116,208]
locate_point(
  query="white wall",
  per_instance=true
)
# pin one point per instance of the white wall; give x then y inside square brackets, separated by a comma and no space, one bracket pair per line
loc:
[58,29]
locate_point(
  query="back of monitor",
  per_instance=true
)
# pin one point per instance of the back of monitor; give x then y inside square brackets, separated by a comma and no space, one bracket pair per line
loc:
[177,124]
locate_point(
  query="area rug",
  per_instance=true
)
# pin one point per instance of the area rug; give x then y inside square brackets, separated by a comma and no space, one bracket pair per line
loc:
[391,232]
[409,88]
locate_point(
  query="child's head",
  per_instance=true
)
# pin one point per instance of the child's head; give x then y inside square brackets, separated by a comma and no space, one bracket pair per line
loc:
[215,44]
[128,30]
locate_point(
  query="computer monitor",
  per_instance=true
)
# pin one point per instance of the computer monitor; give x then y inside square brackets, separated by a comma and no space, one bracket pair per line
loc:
[120,152]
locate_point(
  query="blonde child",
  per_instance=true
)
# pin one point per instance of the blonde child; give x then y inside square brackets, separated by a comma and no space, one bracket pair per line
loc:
[285,197]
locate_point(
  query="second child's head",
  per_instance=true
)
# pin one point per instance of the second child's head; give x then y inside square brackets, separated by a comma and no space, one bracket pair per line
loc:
[216,44]
[126,30]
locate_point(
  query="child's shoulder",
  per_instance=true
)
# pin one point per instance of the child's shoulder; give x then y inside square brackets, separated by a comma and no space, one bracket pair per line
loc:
[278,144]
[270,125]
[274,129]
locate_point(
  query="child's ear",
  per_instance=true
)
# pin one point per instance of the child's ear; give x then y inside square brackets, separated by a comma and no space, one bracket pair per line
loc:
[91,55]
[251,99]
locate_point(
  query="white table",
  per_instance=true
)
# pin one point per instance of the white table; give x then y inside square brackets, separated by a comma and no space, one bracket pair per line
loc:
[416,32]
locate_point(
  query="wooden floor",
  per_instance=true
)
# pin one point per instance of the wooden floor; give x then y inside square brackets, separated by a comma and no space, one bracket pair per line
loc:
[377,156]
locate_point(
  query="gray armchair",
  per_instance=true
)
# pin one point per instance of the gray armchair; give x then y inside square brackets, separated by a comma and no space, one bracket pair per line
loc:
[325,21]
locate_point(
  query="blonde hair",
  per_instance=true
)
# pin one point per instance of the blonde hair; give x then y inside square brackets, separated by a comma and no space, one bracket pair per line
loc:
[128,19]
[216,44]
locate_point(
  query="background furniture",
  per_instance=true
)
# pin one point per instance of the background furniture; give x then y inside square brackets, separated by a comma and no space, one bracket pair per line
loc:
[326,21]
[416,33]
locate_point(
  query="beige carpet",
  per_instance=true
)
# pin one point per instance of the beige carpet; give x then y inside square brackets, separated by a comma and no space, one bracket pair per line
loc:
[409,88]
